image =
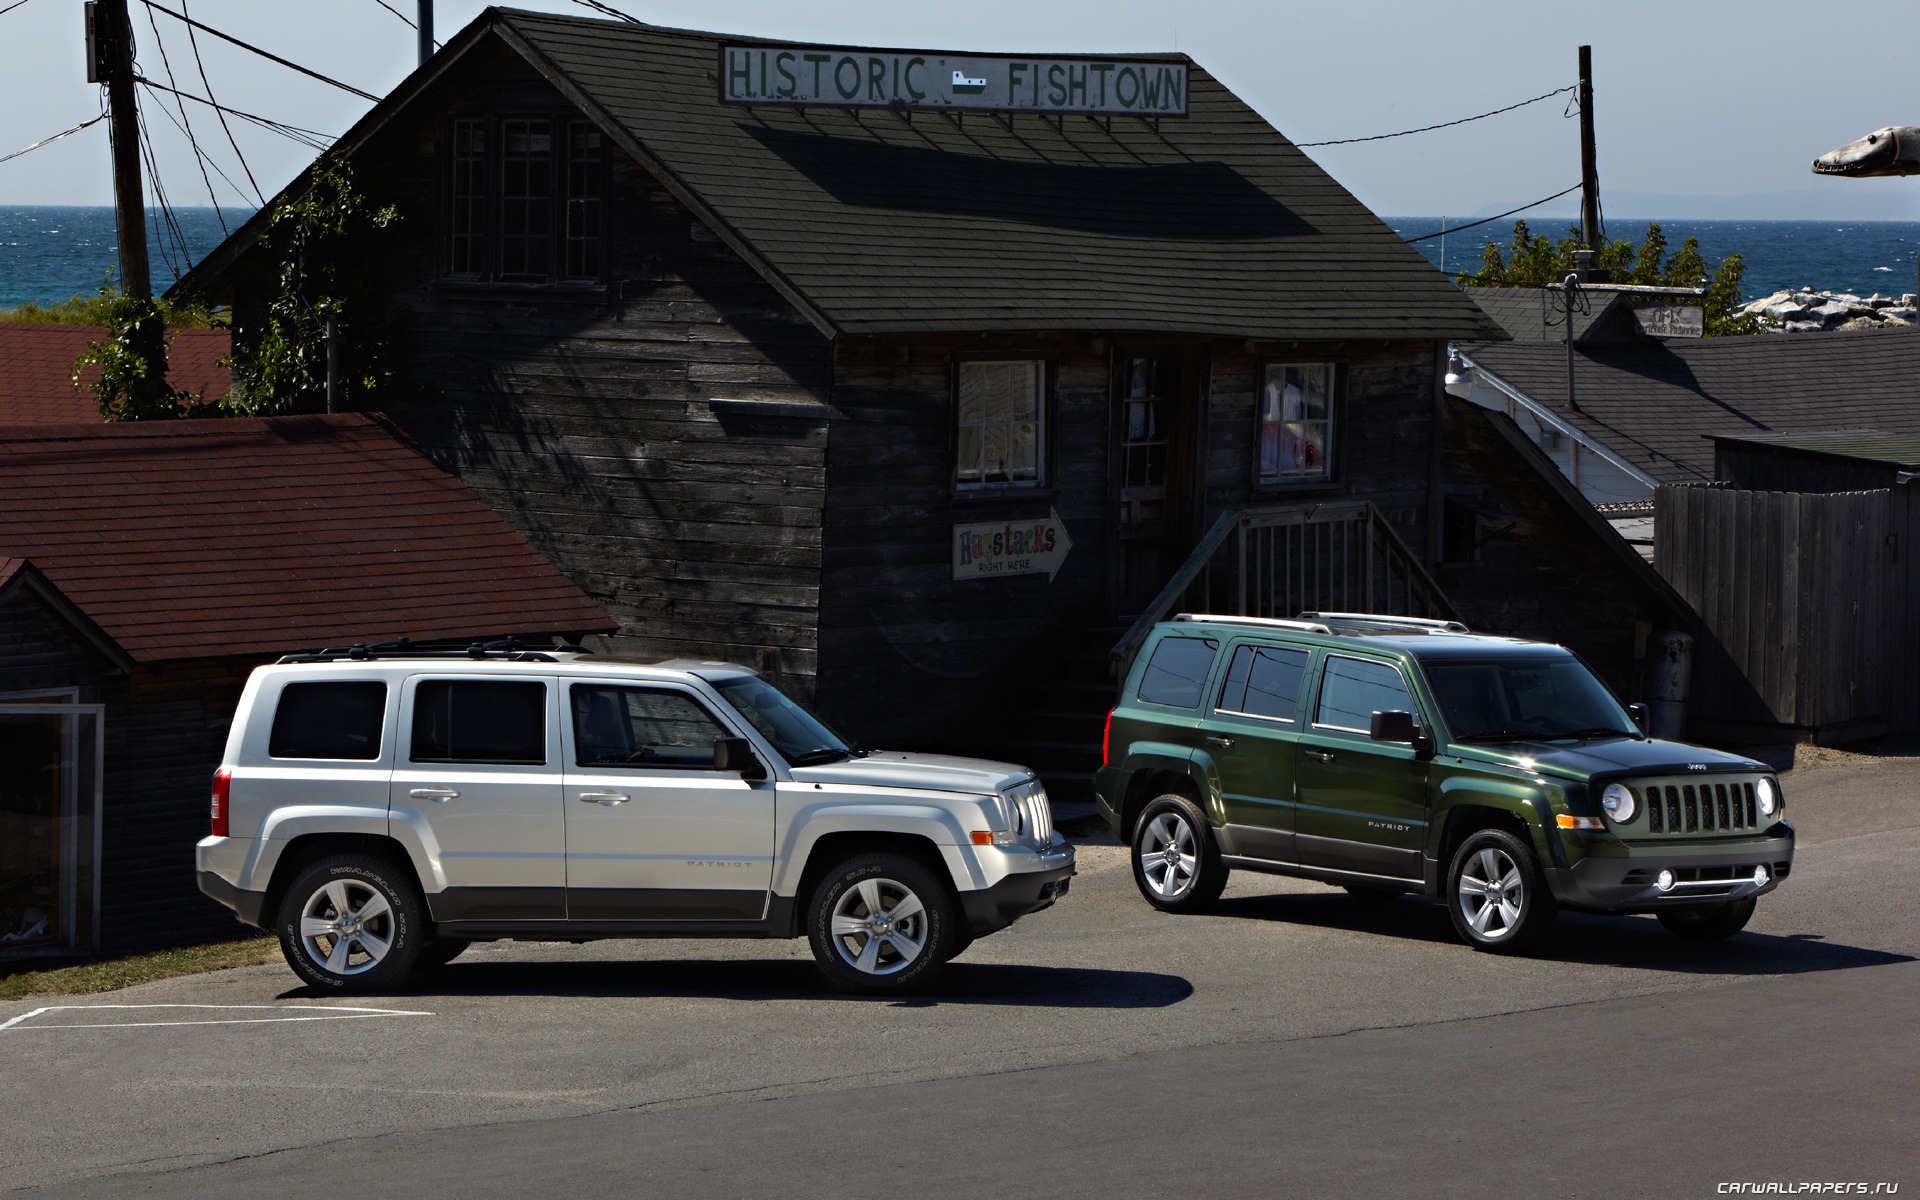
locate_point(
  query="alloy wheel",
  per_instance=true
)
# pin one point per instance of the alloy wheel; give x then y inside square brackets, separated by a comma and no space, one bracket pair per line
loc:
[347,926]
[1166,854]
[1493,893]
[879,926]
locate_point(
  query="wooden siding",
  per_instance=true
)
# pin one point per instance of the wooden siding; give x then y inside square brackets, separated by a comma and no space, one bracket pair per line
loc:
[39,652]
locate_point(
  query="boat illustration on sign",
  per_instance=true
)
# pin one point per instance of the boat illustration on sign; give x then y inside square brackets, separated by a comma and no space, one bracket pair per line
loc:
[962,86]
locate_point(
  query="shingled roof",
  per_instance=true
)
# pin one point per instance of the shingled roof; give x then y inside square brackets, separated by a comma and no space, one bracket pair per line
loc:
[888,222]
[195,539]
[1657,404]
[36,370]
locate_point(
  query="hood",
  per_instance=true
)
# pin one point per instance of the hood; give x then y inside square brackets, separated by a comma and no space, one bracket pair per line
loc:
[1894,150]
[1615,756]
[927,772]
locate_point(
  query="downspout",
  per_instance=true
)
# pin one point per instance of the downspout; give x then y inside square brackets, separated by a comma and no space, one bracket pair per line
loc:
[1435,496]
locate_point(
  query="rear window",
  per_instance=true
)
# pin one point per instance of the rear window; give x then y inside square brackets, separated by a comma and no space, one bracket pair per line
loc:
[480,721]
[1177,672]
[1264,681]
[329,720]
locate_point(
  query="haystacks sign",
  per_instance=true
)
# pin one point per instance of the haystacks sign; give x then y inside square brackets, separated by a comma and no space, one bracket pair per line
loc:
[1001,548]
[855,78]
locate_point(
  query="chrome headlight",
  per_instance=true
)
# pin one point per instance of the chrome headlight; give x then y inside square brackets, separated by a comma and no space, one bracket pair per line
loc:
[1618,802]
[1764,793]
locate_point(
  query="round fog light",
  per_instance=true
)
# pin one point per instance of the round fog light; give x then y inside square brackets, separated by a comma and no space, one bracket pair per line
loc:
[1760,876]
[1664,881]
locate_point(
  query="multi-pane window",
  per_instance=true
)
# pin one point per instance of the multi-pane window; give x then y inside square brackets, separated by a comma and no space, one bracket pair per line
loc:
[467,216]
[526,202]
[1001,410]
[1143,449]
[585,170]
[1296,423]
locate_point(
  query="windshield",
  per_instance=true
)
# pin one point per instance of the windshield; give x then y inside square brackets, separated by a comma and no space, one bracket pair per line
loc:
[796,733]
[1538,699]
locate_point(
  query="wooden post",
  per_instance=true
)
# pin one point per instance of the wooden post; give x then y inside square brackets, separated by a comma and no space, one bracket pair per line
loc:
[112,64]
[1589,171]
[426,30]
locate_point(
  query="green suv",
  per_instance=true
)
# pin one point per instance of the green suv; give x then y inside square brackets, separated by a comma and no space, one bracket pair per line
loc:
[1396,754]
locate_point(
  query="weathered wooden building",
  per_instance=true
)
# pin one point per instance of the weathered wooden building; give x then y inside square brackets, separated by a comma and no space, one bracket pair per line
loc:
[145,569]
[890,397]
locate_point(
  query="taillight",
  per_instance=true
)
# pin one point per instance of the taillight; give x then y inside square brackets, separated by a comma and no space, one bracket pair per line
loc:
[222,788]
[1106,742]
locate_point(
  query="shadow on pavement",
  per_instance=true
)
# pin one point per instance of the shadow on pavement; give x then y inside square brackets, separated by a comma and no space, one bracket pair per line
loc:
[959,982]
[1637,941]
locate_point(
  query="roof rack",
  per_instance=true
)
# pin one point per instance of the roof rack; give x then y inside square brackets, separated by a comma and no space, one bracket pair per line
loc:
[501,649]
[1264,622]
[1348,618]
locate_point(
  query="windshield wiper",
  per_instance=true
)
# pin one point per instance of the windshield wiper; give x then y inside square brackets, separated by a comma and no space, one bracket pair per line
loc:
[825,754]
[1506,735]
[1598,731]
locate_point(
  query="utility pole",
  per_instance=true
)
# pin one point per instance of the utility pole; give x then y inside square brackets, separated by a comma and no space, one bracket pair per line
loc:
[110,61]
[426,30]
[1589,171]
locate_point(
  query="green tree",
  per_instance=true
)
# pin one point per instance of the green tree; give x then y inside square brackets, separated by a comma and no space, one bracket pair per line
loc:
[1530,261]
[133,358]
[326,245]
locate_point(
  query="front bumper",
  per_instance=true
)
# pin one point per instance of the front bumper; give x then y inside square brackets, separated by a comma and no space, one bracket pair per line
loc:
[998,906]
[1703,872]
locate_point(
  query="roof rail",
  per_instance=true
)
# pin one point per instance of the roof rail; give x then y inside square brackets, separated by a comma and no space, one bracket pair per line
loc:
[1264,622]
[504,649]
[1384,619]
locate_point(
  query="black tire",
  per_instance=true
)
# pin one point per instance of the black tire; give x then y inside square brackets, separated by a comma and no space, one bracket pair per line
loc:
[1176,864]
[441,951]
[1511,911]
[398,923]
[962,938]
[886,953]
[1707,922]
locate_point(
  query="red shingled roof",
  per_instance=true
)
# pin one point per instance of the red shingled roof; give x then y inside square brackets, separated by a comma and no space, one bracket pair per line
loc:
[191,539]
[36,367]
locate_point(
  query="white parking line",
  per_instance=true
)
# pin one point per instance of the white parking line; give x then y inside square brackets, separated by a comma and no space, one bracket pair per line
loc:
[342,1013]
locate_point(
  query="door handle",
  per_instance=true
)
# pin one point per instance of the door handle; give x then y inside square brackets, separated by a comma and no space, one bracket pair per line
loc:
[1216,740]
[437,795]
[607,798]
[1325,756]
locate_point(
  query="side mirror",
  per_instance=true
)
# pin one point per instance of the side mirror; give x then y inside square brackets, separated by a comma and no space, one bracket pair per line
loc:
[736,756]
[1639,714]
[1392,725]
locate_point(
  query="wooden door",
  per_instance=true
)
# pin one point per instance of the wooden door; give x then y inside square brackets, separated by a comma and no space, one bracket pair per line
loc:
[1156,437]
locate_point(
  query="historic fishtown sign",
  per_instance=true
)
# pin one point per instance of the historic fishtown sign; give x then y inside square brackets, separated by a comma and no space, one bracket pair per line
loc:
[854,78]
[1011,548]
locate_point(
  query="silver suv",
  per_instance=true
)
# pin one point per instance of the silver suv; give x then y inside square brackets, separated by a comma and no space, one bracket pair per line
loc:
[383,809]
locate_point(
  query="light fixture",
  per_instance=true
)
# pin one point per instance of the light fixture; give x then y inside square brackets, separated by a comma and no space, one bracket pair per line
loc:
[1459,376]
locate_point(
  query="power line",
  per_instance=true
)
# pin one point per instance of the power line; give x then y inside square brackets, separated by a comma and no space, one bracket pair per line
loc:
[56,137]
[1378,137]
[1489,220]
[608,9]
[308,137]
[9,8]
[227,37]
[186,125]
[220,112]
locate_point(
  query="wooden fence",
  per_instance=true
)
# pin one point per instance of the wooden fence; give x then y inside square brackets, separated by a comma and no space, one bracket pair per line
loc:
[1805,604]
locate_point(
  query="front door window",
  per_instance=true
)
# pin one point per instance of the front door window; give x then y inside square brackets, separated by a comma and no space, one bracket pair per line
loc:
[1154,445]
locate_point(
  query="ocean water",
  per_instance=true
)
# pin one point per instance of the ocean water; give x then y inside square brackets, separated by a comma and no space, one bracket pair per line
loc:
[1863,257]
[49,254]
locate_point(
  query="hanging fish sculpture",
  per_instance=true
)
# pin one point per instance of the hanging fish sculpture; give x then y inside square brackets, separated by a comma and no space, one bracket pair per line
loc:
[1894,150]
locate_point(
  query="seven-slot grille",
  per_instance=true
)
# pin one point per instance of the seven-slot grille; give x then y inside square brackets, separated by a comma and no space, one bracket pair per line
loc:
[1703,807]
[1038,814]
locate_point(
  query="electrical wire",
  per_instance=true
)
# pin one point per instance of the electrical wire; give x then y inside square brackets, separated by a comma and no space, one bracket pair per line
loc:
[9,8]
[1379,137]
[207,161]
[1425,237]
[56,137]
[170,224]
[608,9]
[220,112]
[308,137]
[185,126]
[266,54]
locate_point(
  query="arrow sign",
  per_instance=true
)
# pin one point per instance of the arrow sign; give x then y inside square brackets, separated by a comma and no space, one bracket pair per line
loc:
[1001,548]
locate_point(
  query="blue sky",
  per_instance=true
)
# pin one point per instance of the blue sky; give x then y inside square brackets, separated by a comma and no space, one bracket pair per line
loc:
[1704,107]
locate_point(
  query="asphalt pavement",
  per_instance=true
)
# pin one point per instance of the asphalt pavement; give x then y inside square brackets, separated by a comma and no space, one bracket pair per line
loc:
[1294,1042]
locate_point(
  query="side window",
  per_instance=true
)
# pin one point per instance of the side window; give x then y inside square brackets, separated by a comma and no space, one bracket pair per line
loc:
[1264,681]
[1177,672]
[1000,431]
[1353,690]
[480,721]
[329,720]
[643,727]
[1296,424]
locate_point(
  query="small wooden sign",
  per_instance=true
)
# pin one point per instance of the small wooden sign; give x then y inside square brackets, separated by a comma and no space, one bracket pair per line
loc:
[1000,548]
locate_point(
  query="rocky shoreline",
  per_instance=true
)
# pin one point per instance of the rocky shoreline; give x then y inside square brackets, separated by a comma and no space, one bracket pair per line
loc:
[1811,311]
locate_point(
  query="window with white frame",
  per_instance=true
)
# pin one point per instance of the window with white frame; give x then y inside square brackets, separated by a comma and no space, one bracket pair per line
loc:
[1296,424]
[1000,438]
